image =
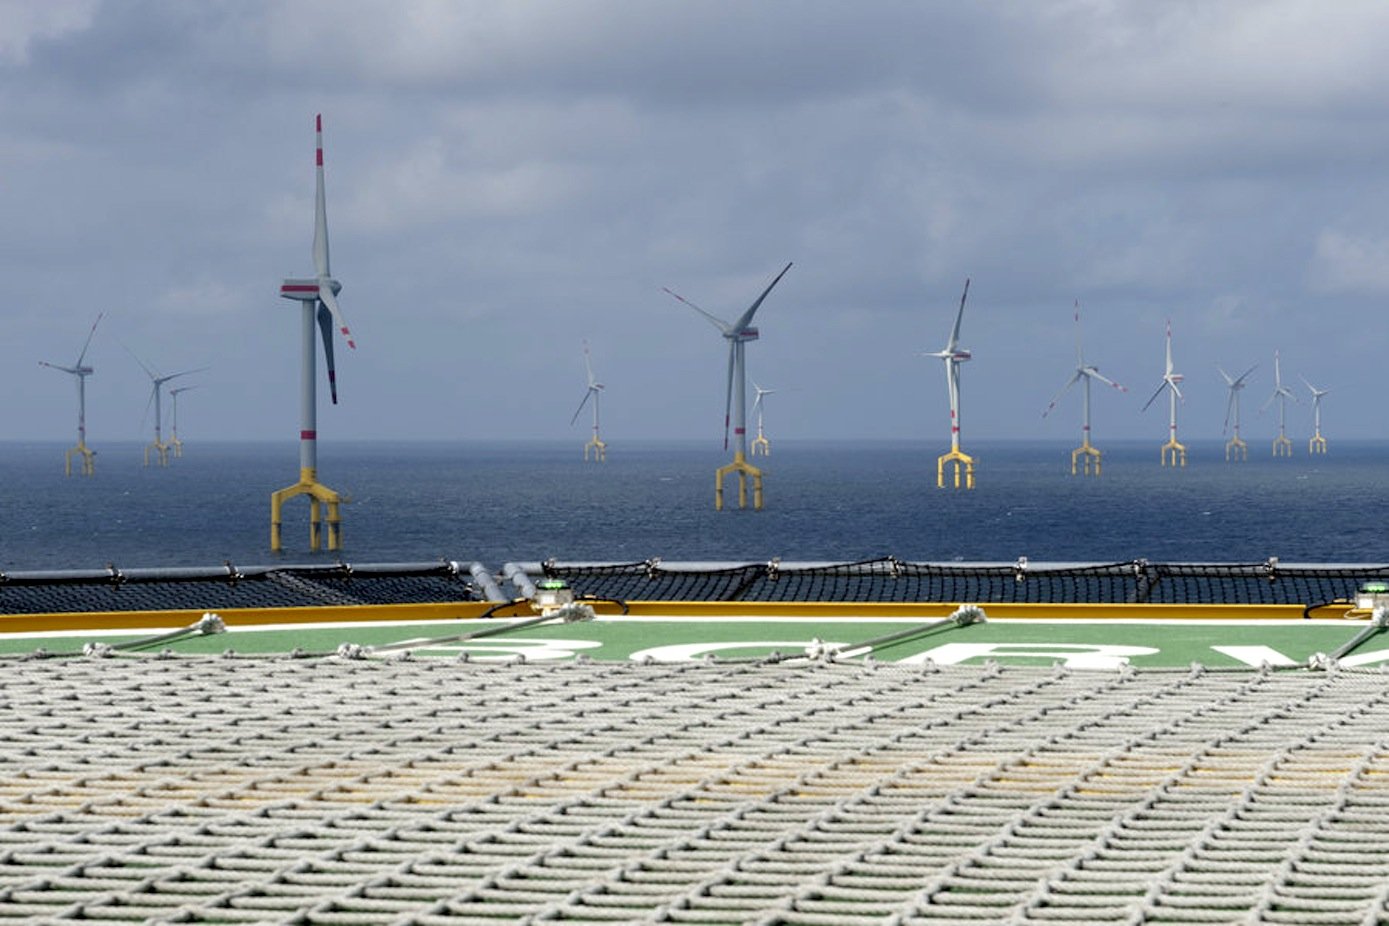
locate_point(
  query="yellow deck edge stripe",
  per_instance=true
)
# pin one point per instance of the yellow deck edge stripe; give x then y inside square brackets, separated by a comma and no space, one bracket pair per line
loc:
[810,610]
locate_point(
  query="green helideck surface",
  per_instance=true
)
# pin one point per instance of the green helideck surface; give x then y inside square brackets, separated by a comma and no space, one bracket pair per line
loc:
[1087,644]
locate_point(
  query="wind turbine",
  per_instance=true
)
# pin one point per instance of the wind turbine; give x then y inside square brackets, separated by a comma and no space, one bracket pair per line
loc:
[954,355]
[1318,443]
[737,334]
[317,297]
[595,389]
[1083,374]
[176,444]
[760,444]
[1236,448]
[161,449]
[1282,447]
[1172,450]
[81,371]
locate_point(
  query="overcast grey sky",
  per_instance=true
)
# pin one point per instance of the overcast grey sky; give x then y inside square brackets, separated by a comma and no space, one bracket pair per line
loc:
[507,179]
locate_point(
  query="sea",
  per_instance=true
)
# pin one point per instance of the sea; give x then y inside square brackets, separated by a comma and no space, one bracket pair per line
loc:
[499,502]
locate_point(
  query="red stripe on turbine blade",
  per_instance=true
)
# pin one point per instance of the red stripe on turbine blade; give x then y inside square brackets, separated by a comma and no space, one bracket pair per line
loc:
[320,157]
[308,435]
[299,288]
[740,431]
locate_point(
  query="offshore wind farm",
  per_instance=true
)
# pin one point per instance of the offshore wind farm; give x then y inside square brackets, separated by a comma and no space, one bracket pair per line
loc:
[515,672]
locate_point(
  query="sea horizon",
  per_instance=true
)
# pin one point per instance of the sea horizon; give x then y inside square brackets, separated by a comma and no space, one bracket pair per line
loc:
[521,499]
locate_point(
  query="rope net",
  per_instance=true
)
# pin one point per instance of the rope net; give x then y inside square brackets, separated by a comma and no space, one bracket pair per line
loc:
[890,579]
[237,790]
[881,580]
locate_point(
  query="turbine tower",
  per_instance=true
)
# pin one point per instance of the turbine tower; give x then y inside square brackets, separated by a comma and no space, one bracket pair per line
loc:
[81,371]
[1236,448]
[176,444]
[1318,443]
[735,399]
[760,444]
[160,449]
[1282,447]
[954,355]
[318,301]
[595,389]
[1084,458]
[1173,453]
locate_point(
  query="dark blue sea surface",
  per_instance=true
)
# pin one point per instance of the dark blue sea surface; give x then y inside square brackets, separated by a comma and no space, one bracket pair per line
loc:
[839,502]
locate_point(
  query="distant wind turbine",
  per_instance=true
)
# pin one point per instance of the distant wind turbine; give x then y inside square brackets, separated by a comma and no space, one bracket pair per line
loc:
[594,391]
[760,444]
[157,381]
[81,371]
[1282,447]
[176,444]
[954,355]
[318,299]
[1236,448]
[1317,444]
[737,334]
[1083,374]
[1172,450]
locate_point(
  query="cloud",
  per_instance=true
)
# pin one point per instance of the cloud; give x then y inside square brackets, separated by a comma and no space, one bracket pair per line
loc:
[1346,263]
[22,24]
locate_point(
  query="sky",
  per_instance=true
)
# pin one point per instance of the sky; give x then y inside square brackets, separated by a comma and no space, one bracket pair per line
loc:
[507,180]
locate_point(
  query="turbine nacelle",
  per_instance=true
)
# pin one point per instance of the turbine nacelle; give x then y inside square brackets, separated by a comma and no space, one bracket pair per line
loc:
[308,290]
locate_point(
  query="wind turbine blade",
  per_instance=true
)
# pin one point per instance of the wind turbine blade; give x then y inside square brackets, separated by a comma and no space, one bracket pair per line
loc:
[1096,374]
[1154,396]
[717,322]
[959,317]
[144,366]
[728,393]
[746,318]
[1240,379]
[45,363]
[325,295]
[1229,380]
[588,367]
[325,327]
[320,214]
[1080,356]
[149,403]
[582,403]
[1059,393]
[88,343]
[165,379]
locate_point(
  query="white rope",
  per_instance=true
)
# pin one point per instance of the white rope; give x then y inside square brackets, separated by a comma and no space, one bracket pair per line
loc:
[333,791]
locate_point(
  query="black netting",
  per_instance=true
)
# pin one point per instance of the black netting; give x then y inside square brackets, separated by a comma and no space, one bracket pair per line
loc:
[891,580]
[882,580]
[284,588]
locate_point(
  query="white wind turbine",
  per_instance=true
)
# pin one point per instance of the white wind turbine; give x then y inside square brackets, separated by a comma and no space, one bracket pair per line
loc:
[175,443]
[595,389]
[760,444]
[81,371]
[157,381]
[1282,447]
[1172,450]
[1317,444]
[954,355]
[1235,448]
[1083,374]
[735,398]
[319,308]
